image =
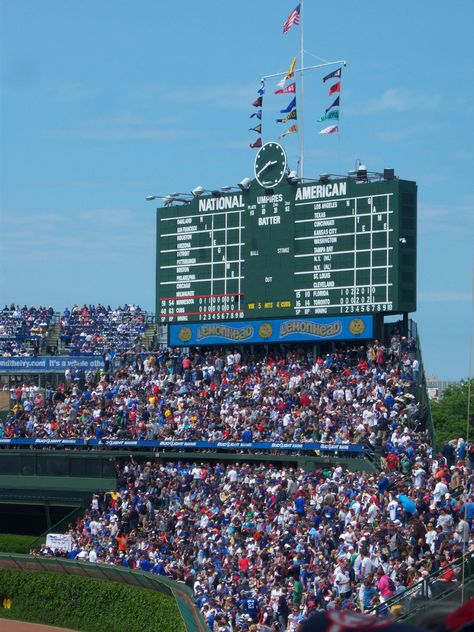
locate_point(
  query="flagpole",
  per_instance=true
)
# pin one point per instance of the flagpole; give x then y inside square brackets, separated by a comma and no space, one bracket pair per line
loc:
[302,91]
[329,63]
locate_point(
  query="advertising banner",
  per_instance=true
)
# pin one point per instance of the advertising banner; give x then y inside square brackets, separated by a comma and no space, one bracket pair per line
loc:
[50,364]
[277,330]
[198,445]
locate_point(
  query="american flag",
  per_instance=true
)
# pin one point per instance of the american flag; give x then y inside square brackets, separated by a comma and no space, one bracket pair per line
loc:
[293,18]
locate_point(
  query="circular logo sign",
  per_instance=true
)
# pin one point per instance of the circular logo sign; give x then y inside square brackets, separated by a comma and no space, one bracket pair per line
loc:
[356,326]
[185,334]
[265,330]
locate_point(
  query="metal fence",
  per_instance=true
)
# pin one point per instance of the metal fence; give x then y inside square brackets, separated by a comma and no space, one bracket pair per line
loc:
[422,388]
[435,586]
[192,617]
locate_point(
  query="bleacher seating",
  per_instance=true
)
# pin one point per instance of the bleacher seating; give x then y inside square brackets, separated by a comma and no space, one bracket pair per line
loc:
[23,330]
[97,329]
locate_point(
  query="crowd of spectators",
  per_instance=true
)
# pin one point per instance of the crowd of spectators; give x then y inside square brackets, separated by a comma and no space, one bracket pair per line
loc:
[262,545]
[23,329]
[358,395]
[95,329]
[267,546]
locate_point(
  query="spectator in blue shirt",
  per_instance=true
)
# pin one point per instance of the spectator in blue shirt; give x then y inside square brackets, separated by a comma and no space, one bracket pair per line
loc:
[247,436]
[467,511]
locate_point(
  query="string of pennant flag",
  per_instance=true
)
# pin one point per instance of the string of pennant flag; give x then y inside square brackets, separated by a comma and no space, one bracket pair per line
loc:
[332,112]
[258,103]
[290,111]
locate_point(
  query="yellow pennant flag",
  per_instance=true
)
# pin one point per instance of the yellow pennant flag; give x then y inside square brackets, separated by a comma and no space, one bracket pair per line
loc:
[291,70]
[289,74]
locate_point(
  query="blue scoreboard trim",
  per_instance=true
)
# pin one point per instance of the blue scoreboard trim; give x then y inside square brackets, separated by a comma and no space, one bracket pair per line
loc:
[274,330]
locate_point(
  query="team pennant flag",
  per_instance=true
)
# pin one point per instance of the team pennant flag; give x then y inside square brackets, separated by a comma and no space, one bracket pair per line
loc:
[290,89]
[333,114]
[332,129]
[291,130]
[336,87]
[291,115]
[261,90]
[333,105]
[258,102]
[291,69]
[333,75]
[289,107]
[289,74]
[293,18]
[257,143]
[257,129]
[257,114]
[281,83]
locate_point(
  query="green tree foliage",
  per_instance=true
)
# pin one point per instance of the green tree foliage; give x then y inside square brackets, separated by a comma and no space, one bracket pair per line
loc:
[450,413]
[83,603]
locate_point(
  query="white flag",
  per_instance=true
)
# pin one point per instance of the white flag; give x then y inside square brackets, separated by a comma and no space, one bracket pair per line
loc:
[332,129]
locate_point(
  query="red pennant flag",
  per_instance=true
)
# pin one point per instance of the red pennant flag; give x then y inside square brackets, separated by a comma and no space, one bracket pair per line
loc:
[257,143]
[335,88]
[258,102]
[289,88]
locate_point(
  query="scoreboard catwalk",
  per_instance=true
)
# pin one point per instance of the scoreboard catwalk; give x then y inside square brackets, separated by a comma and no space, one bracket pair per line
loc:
[306,249]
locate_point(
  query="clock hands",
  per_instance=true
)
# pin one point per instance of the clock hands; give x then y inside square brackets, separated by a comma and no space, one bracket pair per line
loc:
[270,165]
[265,166]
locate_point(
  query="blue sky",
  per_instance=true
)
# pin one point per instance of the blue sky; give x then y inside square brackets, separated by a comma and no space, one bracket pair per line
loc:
[102,103]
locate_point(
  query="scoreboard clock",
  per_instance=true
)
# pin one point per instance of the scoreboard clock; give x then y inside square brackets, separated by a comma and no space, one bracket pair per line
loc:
[270,165]
[281,250]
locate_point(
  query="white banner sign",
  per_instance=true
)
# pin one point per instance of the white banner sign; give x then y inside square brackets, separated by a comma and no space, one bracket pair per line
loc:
[59,541]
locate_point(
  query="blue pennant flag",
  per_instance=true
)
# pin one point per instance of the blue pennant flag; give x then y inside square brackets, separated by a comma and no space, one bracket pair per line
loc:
[261,90]
[290,106]
[335,104]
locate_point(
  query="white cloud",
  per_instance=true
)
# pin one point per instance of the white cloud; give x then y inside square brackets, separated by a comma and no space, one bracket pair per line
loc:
[125,133]
[443,297]
[73,235]
[456,219]
[108,216]
[123,126]
[74,92]
[391,136]
[229,96]
[37,219]
[399,100]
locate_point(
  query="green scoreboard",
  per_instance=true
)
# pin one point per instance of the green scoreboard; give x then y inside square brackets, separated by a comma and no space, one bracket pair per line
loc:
[306,249]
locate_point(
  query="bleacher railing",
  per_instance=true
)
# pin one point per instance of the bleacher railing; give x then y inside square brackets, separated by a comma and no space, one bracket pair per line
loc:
[434,586]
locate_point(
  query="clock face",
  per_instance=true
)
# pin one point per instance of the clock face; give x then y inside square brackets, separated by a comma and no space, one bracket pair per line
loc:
[270,165]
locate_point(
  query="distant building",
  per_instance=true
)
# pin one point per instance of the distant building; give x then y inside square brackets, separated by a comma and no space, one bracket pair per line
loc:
[436,387]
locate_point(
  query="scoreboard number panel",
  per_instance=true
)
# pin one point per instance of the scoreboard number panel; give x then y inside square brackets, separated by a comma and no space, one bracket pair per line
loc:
[306,249]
